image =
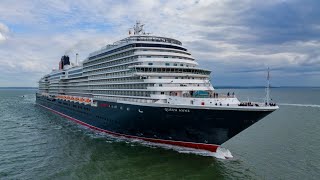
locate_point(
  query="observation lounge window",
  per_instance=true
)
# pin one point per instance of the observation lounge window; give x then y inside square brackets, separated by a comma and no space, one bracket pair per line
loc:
[150,64]
[160,45]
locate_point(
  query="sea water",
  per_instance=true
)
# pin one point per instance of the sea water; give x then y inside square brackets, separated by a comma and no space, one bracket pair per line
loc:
[37,144]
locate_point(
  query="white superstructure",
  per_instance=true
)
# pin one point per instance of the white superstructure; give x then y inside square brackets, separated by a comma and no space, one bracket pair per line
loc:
[141,68]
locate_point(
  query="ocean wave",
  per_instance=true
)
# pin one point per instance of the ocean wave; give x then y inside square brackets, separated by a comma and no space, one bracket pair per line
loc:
[300,105]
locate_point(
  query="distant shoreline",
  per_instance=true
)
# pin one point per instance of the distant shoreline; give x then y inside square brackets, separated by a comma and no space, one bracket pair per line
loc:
[262,87]
[3,88]
[217,87]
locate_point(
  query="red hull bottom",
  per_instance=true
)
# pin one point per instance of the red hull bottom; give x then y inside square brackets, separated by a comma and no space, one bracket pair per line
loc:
[207,147]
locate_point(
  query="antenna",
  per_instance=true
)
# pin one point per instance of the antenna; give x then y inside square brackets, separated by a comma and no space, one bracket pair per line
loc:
[77,59]
[138,28]
[268,88]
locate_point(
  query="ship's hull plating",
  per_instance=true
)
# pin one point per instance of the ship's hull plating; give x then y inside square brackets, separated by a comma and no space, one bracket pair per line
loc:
[196,128]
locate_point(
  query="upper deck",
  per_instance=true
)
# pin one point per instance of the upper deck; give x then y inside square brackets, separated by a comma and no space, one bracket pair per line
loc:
[152,40]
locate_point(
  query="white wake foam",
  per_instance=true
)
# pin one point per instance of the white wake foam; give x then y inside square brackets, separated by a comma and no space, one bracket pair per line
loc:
[301,105]
[221,153]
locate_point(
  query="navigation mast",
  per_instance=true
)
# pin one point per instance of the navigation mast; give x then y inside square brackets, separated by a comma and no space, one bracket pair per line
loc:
[268,88]
[138,28]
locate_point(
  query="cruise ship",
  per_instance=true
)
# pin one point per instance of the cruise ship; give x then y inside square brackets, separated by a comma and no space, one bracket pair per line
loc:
[149,88]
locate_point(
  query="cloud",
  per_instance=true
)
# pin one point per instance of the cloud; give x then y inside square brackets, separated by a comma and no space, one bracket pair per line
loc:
[237,38]
[3,31]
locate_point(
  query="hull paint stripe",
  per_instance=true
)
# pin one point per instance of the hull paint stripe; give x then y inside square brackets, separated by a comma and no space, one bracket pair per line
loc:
[208,147]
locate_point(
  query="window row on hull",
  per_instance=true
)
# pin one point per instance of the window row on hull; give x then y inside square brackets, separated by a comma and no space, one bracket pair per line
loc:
[111,58]
[104,70]
[137,45]
[124,93]
[133,56]
[121,86]
[171,70]
[112,75]
[140,99]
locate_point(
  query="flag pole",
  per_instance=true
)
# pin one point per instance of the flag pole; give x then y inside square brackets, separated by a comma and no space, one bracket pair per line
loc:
[268,88]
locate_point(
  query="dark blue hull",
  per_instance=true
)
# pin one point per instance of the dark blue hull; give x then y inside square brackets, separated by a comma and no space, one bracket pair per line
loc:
[205,126]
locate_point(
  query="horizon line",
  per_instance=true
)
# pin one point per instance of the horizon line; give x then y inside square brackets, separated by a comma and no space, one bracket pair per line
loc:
[222,86]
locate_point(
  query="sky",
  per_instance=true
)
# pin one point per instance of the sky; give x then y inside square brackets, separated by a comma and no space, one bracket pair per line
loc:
[237,40]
